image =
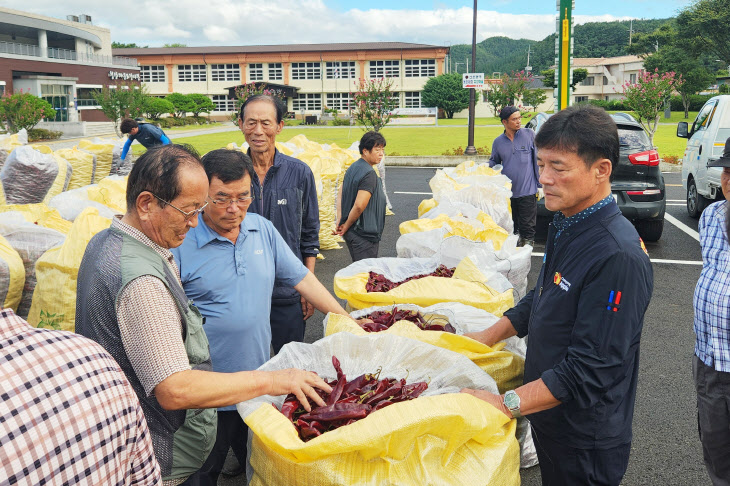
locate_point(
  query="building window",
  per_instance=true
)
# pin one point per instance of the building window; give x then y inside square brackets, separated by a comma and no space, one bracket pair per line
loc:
[152,74]
[384,69]
[420,68]
[191,72]
[84,96]
[339,101]
[224,103]
[276,72]
[605,81]
[225,72]
[632,78]
[588,81]
[306,70]
[341,70]
[578,99]
[307,102]
[256,72]
[413,99]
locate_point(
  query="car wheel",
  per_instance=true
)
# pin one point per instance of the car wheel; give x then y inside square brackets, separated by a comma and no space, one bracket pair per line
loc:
[650,230]
[696,202]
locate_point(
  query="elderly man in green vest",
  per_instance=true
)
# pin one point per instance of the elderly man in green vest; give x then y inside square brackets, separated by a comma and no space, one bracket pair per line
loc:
[131,301]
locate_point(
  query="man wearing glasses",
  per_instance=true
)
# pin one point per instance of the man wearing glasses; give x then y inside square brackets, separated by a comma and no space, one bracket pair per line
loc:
[230,264]
[131,301]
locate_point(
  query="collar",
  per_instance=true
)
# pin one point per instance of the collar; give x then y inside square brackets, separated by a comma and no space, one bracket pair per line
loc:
[204,234]
[562,223]
[11,324]
[277,158]
[140,236]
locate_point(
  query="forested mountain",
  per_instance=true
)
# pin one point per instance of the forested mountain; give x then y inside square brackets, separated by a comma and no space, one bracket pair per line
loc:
[504,55]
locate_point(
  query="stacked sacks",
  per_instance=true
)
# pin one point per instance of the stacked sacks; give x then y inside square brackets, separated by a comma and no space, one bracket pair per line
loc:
[489,291]
[83,166]
[30,241]
[441,437]
[12,276]
[108,155]
[54,299]
[9,142]
[64,173]
[28,175]
[482,228]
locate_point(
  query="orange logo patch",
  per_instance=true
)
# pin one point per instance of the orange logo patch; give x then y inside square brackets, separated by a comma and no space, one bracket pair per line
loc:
[557,278]
[643,246]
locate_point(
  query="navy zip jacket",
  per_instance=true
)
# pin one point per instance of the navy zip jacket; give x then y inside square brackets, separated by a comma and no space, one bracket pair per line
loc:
[288,198]
[584,319]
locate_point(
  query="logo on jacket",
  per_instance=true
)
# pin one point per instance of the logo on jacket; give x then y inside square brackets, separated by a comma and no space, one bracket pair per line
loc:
[258,252]
[614,301]
[560,281]
[643,246]
[281,202]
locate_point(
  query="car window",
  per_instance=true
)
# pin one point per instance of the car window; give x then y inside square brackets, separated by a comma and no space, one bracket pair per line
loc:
[633,140]
[704,118]
[531,124]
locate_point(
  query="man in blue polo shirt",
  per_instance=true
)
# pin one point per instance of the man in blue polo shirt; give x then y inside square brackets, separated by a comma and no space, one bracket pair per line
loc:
[229,265]
[515,150]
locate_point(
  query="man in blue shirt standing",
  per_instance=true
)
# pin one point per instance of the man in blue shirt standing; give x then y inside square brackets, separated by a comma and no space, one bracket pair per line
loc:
[145,133]
[711,362]
[515,150]
[229,265]
[586,313]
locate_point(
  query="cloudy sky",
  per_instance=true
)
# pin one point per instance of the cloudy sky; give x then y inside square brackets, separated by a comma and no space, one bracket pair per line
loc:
[249,22]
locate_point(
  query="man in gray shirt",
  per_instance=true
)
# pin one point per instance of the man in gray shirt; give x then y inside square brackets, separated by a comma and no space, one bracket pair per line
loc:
[515,150]
[361,201]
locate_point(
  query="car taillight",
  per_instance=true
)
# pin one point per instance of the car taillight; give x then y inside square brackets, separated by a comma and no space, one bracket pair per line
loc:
[650,158]
[648,192]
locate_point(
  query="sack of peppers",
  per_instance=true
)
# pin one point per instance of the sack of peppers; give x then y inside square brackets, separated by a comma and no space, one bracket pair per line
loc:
[395,416]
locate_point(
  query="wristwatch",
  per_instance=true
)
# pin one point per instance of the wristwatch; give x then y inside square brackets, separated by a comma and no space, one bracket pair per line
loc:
[512,402]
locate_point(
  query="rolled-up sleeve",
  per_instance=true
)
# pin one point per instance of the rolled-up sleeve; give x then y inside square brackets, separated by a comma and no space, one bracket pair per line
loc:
[309,242]
[606,332]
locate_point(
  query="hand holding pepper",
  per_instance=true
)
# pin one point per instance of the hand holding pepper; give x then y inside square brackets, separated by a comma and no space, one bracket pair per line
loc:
[300,383]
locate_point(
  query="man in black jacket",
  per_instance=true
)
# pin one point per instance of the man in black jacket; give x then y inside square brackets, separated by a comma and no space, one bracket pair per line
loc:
[586,313]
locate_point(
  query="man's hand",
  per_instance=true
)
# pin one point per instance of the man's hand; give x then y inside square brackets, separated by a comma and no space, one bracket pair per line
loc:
[364,320]
[495,400]
[307,309]
[340,230]
[299,382]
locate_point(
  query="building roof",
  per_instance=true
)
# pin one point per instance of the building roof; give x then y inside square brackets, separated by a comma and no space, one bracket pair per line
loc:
[350,46]
[604,61]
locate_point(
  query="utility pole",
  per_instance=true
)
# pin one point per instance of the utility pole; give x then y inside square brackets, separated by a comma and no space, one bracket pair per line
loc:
[528,68]
[470,149]
[631,30]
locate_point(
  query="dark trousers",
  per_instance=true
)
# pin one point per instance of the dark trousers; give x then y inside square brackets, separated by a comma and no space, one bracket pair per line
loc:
[287,324]
[359,247]
[232,433]
[561,465]
[713,419]
[524,216]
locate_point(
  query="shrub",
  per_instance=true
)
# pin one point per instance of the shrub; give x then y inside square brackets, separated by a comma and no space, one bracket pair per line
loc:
[37,134]
[24,110]
[156,107]
[182,103]
[695,102]
[341,122]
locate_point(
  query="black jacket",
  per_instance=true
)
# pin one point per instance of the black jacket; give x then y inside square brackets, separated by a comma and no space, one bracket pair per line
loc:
[584,335]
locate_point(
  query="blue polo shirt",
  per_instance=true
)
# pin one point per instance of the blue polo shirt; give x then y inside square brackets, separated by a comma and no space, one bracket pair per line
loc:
[232,284]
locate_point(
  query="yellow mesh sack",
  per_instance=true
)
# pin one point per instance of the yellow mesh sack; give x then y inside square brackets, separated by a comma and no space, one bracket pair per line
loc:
[506,368]
[40,214]
[103,152]
[426,206]
[54,299]
[63,177]
[12,276]
[82,164]
[111,192]
[485,228]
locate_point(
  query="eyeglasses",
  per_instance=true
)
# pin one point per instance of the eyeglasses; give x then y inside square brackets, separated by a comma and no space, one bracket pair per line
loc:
[226,202]
[189,215]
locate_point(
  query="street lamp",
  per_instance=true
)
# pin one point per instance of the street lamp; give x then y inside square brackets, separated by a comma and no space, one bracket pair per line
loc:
[457,66]
[470,149]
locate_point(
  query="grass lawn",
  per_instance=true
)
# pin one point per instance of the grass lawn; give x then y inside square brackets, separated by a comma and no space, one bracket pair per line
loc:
[188,128]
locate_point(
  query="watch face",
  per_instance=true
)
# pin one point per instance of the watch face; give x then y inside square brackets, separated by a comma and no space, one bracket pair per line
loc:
[512,400]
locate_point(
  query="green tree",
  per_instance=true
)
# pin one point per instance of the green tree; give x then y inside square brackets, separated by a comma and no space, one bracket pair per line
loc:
[175,44]
[579,74]
[374,102]
[24,110]
[182,104]
[246,90]
[703,27]
[124,101]
[534,98]
[445,91]
[496,97]
[123,45]
[646,98]
[201,104]
[156,107]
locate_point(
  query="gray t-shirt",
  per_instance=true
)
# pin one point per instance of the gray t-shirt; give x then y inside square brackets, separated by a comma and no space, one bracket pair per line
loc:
[362,176]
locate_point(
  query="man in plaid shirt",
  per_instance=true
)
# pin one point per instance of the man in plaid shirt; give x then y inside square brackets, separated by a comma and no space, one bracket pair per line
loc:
[711,363]
[67,412]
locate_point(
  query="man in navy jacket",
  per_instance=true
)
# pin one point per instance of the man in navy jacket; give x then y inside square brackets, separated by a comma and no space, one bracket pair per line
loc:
[284,193]
[586,313]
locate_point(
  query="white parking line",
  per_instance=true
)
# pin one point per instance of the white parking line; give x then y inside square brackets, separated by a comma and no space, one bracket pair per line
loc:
[414,193]
[682,226]
[676,204]
[653,260]
[676,200]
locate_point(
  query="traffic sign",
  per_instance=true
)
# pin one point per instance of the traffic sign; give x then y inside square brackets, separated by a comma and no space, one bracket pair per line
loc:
[472,80]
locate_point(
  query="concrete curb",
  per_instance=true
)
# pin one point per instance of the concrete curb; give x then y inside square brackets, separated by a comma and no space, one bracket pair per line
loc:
[432,160]
[665,167]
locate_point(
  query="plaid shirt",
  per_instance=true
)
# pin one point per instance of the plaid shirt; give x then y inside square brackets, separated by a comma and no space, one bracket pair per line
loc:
[712,294]
[68,415]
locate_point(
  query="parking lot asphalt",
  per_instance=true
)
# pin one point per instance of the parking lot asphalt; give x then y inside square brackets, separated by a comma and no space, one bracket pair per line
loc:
[666,448]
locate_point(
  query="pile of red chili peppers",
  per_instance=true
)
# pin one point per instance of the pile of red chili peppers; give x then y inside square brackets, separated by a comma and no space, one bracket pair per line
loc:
[349,401]
[383,320]
[378,282]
